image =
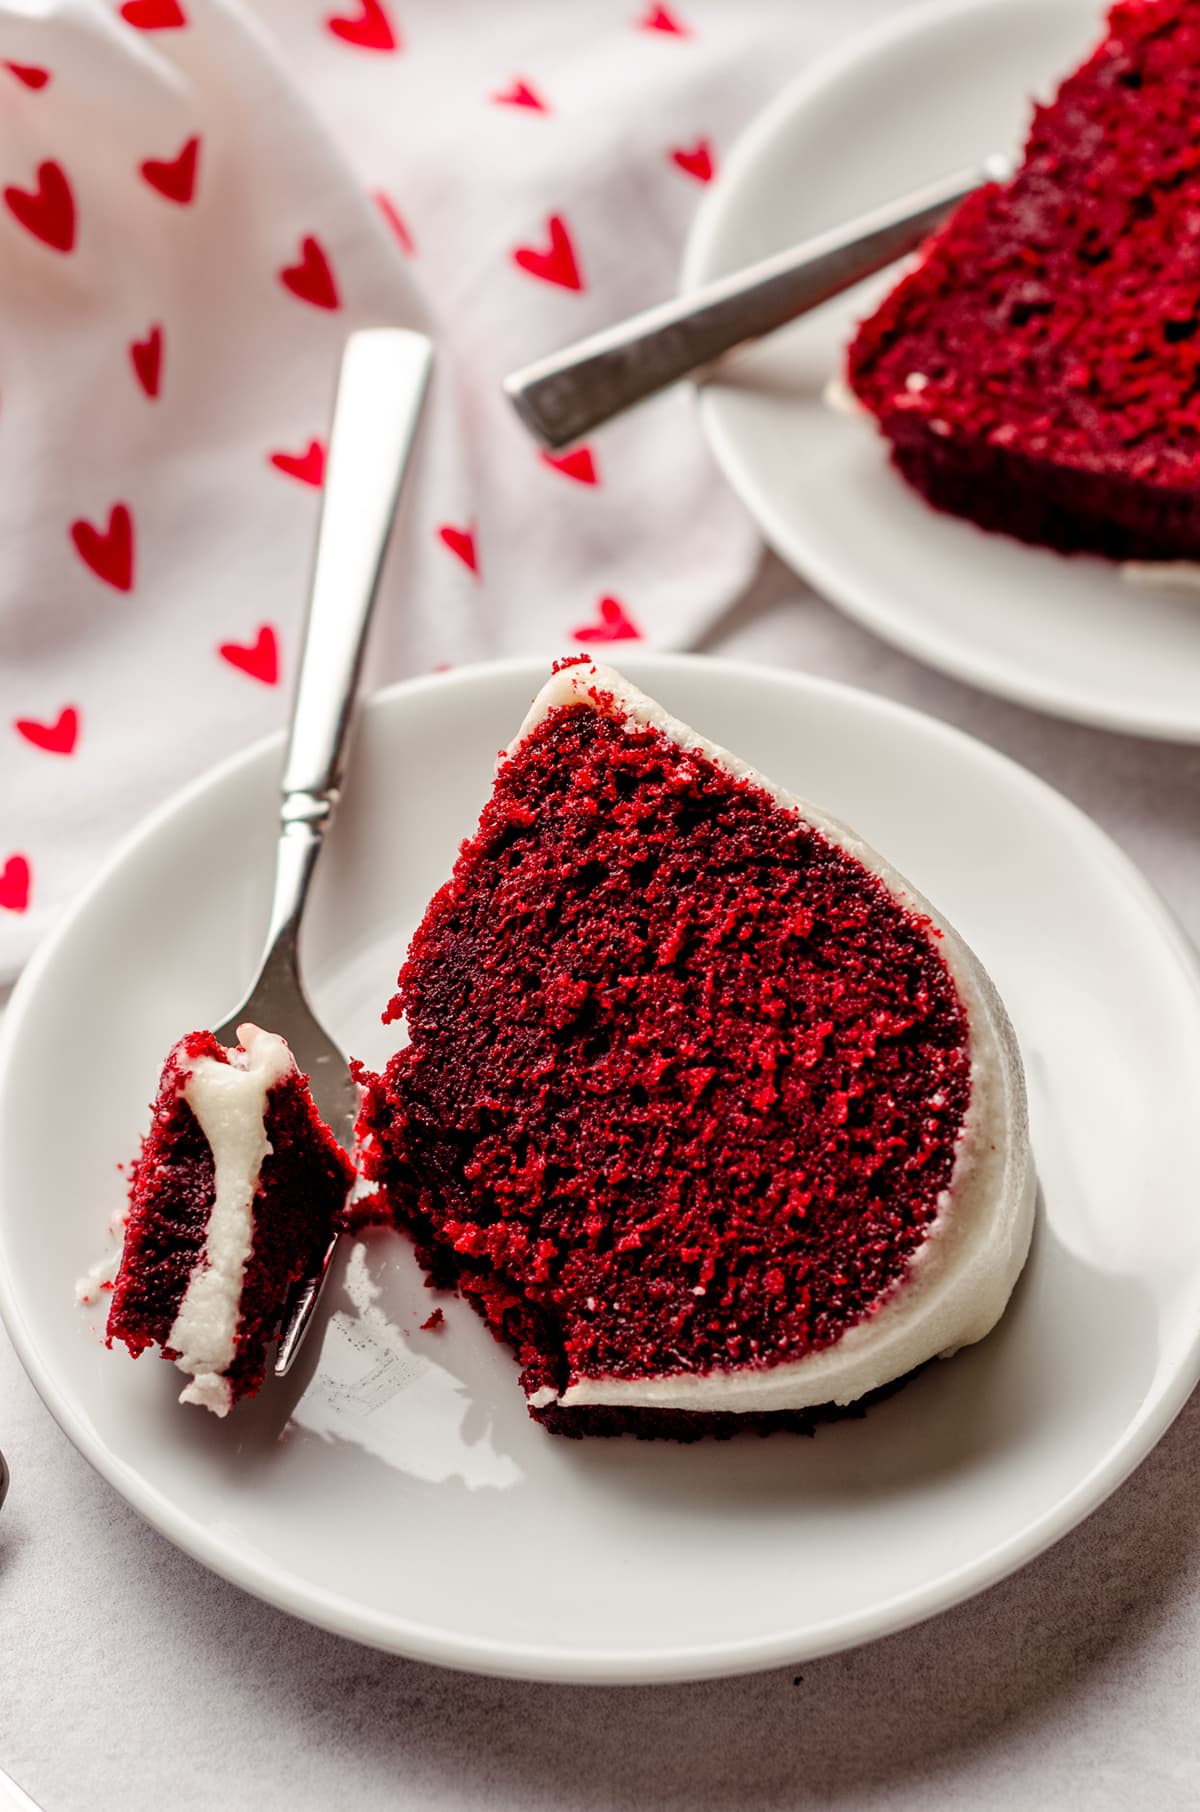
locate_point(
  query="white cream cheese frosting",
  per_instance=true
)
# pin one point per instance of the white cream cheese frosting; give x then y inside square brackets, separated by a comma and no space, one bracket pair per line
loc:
[958,1282]
[229,1101]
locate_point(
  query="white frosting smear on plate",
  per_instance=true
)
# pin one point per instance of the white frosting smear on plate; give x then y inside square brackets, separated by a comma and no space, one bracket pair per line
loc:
[229,1101]
[102,1275]
[838,396]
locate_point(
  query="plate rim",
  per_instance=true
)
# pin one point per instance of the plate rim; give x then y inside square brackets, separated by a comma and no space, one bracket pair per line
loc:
[535,1661]
[844,591]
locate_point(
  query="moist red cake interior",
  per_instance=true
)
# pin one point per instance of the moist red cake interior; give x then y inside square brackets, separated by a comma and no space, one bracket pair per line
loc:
[684,1081]
[1039,371]
[302,1187]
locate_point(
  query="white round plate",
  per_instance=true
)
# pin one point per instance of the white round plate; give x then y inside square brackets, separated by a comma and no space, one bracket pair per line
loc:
[397,1492]
[935,89]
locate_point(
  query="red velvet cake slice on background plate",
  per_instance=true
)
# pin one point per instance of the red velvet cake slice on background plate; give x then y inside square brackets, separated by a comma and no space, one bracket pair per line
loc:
[1039,369]
[703,1108]
[233,1197]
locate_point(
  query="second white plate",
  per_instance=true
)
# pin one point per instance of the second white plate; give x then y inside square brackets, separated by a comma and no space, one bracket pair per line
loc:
[937,88]
[395,1489]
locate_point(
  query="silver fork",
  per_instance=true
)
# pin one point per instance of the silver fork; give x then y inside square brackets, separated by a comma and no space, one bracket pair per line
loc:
[380,392]
[565,396]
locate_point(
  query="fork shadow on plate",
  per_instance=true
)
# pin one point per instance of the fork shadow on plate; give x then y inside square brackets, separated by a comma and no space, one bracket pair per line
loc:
[787,368]
[246,1439]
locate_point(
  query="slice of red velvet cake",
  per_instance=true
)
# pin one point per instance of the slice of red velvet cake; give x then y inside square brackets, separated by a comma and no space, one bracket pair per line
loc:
[233,1197]
[1039,370]
[702,1107]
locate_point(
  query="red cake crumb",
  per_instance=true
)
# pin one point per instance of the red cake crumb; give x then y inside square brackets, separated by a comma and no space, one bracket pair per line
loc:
[683,1083]
[364,1211]
[1039,371]
[301,1189]
[434,1321]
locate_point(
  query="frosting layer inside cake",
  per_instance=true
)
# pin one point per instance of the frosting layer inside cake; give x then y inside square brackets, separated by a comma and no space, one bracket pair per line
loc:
[234,1196]
[229,1101]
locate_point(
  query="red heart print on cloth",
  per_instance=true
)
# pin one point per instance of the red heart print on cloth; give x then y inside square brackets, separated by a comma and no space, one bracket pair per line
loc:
[657,18]
[259,658]
[108,552]
[520,94]
[175,177]
[48,212]
[369,29]
[30,74]
[184,410]
[395,220]
[697,162]
[557,264]
[146,358]
[58,738]
[462,543]
[154,15]
[16,881]
[308,467]
[311,279]
[614,625]
[577,464]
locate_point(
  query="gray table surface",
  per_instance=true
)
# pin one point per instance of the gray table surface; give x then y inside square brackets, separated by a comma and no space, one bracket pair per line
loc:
[131,1678]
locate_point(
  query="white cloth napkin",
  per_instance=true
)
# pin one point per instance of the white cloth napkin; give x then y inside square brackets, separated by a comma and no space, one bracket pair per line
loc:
[198,199]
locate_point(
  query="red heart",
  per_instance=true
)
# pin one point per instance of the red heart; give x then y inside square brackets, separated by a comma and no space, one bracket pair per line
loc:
[577,464]
[58,738]
[260,658]
[14,884]
[371,30]
[614,625]
[30,74]
[308,467]
[311,279]
[175,178]
[557,264]
[153,15]
[462,543]
[657,18]
[108,552]
[389,211]
[697,162]
[147,360]
[48,212]
[521,95]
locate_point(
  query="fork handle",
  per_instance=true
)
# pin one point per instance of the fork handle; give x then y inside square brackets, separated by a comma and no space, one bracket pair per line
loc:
[381,388]
[563,397]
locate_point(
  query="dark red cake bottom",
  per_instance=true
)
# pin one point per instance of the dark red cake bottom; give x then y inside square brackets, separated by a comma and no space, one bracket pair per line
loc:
[689,1425]
[1046,504]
